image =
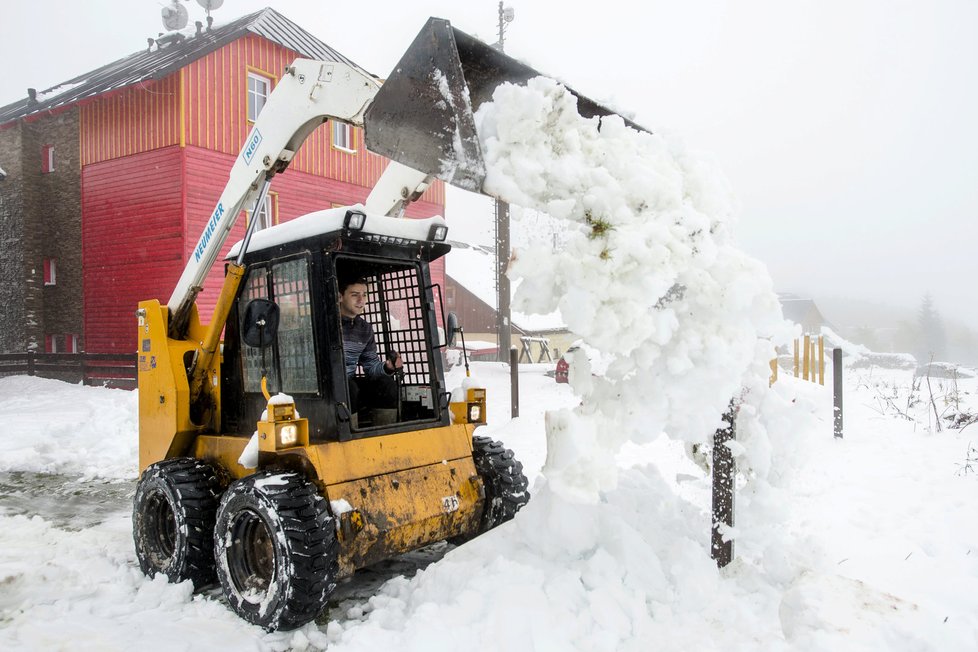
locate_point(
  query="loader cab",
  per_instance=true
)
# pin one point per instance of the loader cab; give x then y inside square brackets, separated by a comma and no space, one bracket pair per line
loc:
[298,267]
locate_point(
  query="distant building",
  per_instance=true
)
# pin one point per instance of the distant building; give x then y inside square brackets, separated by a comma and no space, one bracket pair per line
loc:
[470,292]
[111,176]
[803,312]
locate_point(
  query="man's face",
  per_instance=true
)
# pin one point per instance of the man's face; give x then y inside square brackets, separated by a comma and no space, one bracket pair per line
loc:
[353,299]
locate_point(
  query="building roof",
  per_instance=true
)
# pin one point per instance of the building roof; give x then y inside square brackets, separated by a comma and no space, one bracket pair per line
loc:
[801,311]
[178,50]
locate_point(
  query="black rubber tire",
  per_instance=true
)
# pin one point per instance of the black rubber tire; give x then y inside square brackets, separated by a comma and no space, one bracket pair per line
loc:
[502,475]
[173,520]
[276,549]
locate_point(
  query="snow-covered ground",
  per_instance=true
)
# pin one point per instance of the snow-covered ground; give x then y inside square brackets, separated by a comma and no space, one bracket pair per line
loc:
[877,537]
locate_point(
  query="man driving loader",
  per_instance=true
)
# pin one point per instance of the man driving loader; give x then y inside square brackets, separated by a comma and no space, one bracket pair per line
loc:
[376,389]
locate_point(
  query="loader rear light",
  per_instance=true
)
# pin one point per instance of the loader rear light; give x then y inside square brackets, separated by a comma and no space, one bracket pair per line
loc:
[354,220]
[475,412]
[438,233]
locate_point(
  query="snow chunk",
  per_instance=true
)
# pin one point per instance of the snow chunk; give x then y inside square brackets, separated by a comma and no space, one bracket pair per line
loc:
[249,456]
[340,506]
[649,276]
[281,399]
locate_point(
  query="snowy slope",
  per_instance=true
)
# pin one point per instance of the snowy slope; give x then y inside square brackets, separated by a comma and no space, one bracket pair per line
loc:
[879,544]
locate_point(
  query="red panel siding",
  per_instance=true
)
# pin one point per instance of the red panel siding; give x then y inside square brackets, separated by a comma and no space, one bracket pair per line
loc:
[206,175]
[217,114]
[132,242]
[130,121]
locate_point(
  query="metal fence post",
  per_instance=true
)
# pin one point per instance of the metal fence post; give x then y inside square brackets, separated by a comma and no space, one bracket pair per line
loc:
[514,381]
[724,470]
[31,355]
[837,390]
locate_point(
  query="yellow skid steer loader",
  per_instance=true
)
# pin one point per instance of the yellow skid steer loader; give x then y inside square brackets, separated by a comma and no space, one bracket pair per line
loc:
[259,470]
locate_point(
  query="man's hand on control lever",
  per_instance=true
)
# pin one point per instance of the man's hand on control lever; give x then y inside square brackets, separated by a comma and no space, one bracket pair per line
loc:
[394,364]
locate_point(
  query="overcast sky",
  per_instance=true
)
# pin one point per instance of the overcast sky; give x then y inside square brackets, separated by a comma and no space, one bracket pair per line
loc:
[847,127]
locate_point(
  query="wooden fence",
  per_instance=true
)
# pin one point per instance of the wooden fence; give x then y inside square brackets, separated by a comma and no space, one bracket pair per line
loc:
[100,369]
[809,360]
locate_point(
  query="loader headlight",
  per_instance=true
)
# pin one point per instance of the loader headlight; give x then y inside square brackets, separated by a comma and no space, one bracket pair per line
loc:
[354,220]
[288,435]
[475,413]
[438,233]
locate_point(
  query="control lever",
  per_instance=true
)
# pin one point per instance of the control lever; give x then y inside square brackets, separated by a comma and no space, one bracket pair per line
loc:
[392,358]
[398,377]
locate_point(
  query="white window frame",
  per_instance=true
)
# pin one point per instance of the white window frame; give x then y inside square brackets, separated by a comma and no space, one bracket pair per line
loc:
[50,271]
[259,87]
[342,136]
[48,165]
[266,217]
[71,343]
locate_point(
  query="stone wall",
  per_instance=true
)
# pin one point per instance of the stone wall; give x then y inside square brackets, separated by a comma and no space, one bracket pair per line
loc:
[13,320]
[42,219]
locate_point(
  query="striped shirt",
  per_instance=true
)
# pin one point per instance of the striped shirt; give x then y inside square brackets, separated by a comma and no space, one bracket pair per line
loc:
[360,348]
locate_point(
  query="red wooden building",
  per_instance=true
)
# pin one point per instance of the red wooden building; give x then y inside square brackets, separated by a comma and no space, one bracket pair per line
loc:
[143,147]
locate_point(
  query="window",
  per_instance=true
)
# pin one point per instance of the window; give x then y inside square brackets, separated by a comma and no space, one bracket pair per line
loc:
[266,214]
[71,343]
[297,353]
[342,136]
[50,271]
[258,89]
[293,357]
[395,309]
[47,158]
[50,343]
[256,287]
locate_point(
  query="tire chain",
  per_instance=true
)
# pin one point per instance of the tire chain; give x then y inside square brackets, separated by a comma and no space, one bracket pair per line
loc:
[196,488]
[502,473]
[306,522]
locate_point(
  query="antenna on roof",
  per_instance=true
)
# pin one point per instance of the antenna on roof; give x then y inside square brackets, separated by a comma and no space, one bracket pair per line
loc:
[209,6]
[175,16]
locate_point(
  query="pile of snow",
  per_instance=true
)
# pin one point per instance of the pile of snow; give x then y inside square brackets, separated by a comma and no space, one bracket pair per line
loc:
[94,439]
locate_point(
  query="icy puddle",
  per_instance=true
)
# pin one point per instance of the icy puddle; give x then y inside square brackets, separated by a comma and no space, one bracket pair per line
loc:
[65,502]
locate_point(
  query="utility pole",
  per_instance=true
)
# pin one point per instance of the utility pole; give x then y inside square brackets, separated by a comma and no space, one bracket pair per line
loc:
[504,328]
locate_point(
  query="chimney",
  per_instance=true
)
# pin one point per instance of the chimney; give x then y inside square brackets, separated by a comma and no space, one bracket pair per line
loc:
[32,96]
[210,21]
[200,27]
[149,44]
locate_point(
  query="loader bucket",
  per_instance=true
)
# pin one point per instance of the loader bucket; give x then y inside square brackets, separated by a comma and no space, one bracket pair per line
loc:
[423,114]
